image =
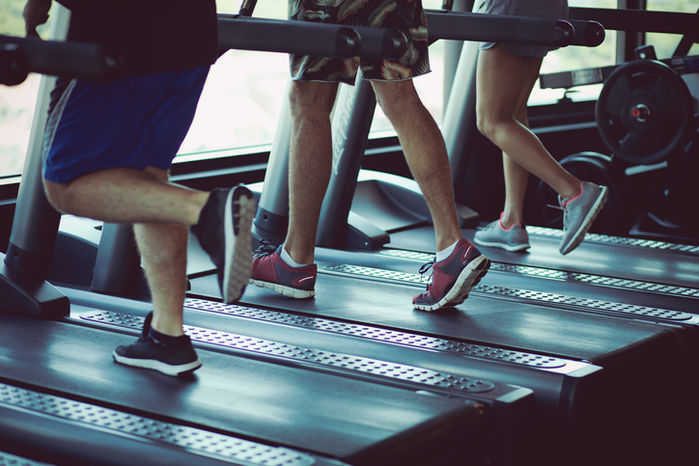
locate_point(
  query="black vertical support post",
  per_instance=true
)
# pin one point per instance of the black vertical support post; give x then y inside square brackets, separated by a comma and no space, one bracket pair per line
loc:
[23,271]
[627,41]
[459,124]
[272,216]
[353,114]
[452,51]
[117,270]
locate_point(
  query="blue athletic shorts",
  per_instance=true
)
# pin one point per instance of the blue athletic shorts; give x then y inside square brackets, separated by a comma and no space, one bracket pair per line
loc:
[134,122]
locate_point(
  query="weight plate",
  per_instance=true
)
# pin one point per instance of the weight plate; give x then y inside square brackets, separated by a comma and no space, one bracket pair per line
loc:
[644,112]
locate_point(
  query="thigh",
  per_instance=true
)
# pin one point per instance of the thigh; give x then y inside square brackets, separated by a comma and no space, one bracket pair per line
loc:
[531,74]
[500,77]
[316,68]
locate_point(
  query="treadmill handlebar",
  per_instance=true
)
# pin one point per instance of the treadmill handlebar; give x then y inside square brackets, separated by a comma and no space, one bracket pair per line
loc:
[308,38]
[377,43]
[22,55]
[484,27]
[271,35]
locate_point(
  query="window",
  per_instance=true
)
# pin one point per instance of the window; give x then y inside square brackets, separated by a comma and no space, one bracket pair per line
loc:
[243,95]
[16,103]
[576,58]
[665,44]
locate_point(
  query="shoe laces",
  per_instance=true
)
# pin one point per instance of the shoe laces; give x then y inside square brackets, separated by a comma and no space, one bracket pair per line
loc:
[266,248]
[562,208]
[424,268]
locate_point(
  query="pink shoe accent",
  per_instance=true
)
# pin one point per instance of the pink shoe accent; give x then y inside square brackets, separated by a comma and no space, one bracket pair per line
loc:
[507,229]
[565,203]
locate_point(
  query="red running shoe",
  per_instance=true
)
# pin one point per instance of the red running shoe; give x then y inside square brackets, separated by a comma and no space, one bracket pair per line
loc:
[452,278]
[270,271]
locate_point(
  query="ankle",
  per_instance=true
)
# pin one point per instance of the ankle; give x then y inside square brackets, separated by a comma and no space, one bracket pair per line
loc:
[508,220]
[293,259]
[573,192]
[172,329]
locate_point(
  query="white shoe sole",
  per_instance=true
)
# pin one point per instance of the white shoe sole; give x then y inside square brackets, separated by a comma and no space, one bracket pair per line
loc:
[238,253]
[587,223]
[156,365]
[507,247]
[284,290]
[467,279]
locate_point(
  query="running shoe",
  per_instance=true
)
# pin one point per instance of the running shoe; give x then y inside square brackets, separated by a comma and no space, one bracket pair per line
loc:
[270,271]
[494,235]
[579,213]
[174,357]
[224,233]
[452,278]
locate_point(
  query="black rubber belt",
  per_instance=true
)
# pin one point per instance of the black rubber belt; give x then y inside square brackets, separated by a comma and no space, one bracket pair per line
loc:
[537,297]
[553,274]
[425,379]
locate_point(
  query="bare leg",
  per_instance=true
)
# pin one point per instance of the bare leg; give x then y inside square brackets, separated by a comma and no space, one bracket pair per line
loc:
[310,161]
[163,248]
[499,83]
[516,177]
[132,196]
[126,195]
[425,153]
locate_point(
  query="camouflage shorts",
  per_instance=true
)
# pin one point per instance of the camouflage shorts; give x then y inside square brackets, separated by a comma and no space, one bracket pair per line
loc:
[407,16]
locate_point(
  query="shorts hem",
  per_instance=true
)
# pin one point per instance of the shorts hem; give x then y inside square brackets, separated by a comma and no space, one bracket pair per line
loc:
[66,176]
[516,49]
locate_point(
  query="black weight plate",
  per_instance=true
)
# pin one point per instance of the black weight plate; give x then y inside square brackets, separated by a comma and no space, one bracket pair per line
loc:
[644,112]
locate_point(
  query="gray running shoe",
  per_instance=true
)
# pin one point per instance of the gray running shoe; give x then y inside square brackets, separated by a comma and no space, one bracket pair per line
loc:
[579,213]
[514,238]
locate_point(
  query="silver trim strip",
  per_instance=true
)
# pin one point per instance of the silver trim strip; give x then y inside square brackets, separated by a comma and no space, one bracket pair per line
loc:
[194,440]
[383,335]
[342,361]
[530,295]
[553,274]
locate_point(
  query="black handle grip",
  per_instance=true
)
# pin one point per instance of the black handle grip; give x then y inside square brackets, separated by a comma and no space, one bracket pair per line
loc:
[378,43]
[60,58]
[14,67]
[587,33]
[564,33]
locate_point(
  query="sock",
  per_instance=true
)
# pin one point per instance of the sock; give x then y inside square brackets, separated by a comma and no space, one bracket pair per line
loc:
[444,253]
[205,210]
[166,339]
[286,257]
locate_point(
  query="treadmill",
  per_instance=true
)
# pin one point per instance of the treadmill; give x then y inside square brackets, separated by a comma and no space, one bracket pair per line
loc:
[551,308]
[64,401]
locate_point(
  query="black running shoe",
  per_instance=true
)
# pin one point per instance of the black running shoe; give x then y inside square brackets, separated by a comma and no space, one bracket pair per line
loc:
[223,232]
[171,358]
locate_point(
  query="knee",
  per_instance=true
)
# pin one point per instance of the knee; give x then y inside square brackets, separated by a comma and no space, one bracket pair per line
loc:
[397,99]
[58,196]
[395,108]
[487,124]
